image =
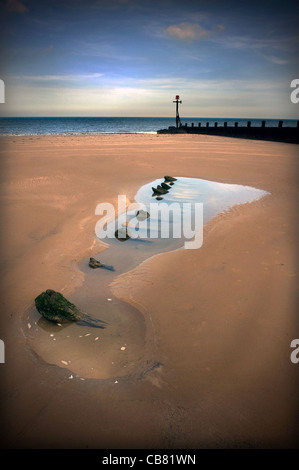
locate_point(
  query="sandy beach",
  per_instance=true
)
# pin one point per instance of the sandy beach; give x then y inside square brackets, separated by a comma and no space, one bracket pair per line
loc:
[208,331]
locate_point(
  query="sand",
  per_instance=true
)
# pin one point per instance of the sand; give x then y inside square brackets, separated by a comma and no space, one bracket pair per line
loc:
[212,366]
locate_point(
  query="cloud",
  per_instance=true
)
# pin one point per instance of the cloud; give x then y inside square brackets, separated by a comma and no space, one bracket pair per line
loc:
[221,98]
[15,6]
[276,60]
[219,28]
[60,78]
[187,31]
[258,43]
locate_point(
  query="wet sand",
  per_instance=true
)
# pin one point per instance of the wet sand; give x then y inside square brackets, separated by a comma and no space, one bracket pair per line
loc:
[207,339]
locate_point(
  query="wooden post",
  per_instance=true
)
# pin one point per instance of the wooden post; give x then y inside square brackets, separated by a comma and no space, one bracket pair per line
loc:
[192,125]
[236,124]
[248,123]
[216,124]
[199,124]
[263,123]
[207,124]
[297,123]
[225,124]
[177,116]
[280,123]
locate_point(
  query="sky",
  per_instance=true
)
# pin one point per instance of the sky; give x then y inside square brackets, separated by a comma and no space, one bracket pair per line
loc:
[130,58]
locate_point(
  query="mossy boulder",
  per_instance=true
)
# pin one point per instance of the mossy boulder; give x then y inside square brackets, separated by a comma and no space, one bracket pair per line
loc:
[56,308]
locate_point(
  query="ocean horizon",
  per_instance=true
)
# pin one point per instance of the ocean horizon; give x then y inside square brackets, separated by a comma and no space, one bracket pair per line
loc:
[19,126]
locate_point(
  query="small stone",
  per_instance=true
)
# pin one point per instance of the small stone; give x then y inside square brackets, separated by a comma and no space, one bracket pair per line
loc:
[142,215]
[162,190]
[169,179]
[94,263]
[109,300]
[71,377]
[88,334]
[122,348]
[96,339]
[51,335]
[122,234]
[65,363]
[29,326]
[159,190]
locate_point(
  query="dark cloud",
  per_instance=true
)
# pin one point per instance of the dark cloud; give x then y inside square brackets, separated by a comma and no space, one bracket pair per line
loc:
[16,6]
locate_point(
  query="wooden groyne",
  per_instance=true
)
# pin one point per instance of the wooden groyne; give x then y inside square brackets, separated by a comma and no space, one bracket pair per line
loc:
[278,134]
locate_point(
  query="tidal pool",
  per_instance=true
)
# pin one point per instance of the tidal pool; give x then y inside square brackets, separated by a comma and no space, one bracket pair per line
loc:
[173,220]
[119,349]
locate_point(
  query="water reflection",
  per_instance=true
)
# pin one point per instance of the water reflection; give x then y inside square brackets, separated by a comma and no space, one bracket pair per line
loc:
[164,228]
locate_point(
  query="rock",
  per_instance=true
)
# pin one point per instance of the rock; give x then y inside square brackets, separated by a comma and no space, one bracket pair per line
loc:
[56,308]
[157,191]
[93,263]
[122,234]
[169,178]
[142,215]
[162,190]
[159,198]
[165,186]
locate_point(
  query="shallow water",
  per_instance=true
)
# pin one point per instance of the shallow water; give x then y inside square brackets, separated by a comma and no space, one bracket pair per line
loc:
[118,349]
[159,233]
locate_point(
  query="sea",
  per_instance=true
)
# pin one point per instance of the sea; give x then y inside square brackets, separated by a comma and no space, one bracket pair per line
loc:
[19,126]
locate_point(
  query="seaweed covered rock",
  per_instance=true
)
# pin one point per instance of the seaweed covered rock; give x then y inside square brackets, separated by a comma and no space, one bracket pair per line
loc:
[56,308]
[162,190]
[159,190]
[169,179]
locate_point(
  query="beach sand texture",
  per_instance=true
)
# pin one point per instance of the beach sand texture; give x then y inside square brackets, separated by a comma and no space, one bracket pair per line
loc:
[208,337]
